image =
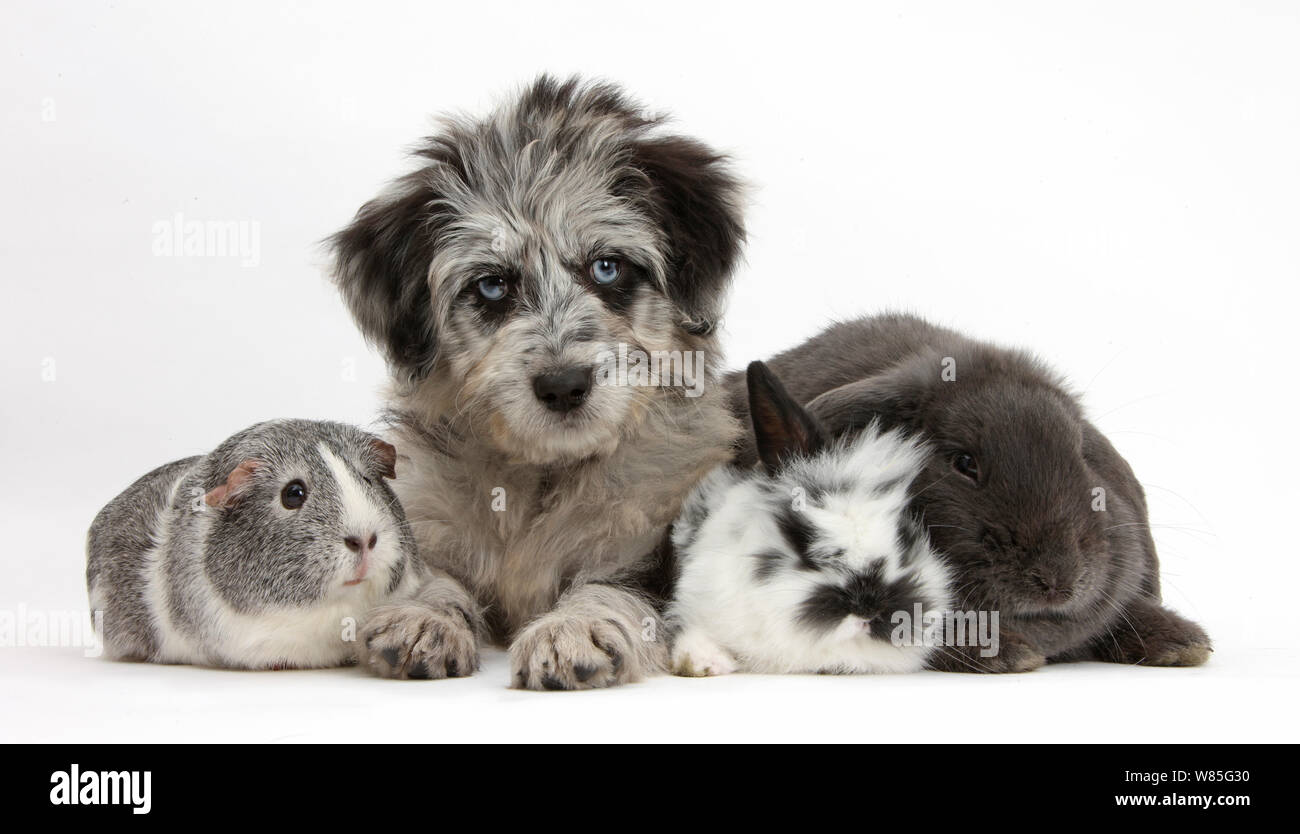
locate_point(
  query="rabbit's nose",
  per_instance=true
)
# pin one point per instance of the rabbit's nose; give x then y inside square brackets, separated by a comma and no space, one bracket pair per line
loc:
[355,545]
[1055,588]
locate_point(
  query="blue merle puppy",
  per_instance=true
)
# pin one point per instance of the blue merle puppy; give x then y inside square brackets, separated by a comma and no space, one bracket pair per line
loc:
[565,226]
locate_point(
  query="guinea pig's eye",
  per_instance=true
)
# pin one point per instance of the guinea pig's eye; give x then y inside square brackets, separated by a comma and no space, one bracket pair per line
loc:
[605,270]
[493,288]
[966,465]
[293,495]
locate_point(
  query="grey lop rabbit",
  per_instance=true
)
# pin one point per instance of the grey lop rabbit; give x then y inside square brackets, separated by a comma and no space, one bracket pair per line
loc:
[1036,513]
[283,548]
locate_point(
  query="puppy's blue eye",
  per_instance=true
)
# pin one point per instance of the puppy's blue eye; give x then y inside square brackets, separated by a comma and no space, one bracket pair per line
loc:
[605,270]
[492,288]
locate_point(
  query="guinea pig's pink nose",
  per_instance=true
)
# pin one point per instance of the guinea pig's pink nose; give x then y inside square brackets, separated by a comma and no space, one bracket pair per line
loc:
[363,550]
[354,543]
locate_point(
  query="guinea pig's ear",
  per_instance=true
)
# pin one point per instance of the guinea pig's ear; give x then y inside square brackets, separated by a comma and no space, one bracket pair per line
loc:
[227,493]
[385,457]
[381,265]
[782,428]
[697,202]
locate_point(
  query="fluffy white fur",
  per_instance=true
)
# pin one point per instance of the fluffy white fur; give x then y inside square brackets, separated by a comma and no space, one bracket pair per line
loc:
[727,616]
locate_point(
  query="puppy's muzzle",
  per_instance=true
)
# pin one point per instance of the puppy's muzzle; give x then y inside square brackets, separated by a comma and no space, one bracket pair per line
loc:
[563,390]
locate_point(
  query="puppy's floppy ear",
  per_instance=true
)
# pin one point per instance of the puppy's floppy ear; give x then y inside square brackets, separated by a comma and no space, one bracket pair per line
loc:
[381,263]
[782,428]
[696,200]
[895,398]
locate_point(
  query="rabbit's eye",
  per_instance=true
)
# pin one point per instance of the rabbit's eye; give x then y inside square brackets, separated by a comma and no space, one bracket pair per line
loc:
[966,465]
[293,495]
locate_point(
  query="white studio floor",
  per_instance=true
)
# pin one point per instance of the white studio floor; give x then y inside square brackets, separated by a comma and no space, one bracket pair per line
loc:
[58,695]
[1110,185]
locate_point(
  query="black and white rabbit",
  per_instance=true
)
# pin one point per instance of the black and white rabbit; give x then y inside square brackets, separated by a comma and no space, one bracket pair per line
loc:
[1035,512]
[810,564]
[267,553]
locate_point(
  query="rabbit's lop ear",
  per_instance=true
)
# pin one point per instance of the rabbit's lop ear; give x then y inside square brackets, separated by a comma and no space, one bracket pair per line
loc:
[894,399]
[782,428]
[227,493]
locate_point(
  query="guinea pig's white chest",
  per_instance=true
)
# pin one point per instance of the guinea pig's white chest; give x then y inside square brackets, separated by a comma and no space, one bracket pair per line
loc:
[302,638]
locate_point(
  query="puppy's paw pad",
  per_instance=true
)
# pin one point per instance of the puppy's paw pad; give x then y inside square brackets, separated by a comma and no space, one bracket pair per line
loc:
[561,653]
[417,642]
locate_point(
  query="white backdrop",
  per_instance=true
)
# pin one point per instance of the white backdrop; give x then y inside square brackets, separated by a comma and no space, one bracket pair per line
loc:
[1114,186]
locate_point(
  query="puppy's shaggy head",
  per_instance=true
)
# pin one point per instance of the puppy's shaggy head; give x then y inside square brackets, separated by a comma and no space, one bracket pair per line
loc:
[528,244]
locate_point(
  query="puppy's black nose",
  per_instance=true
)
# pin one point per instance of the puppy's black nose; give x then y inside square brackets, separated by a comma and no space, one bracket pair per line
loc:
[563,390]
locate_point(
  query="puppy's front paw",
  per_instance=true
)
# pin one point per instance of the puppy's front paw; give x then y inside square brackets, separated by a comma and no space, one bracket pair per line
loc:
[560,652]
[697,656]
[410,640]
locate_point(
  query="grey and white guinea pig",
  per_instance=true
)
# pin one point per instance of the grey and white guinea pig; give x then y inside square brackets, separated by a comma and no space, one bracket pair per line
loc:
[253,556]
[1036,513]
[810,563]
